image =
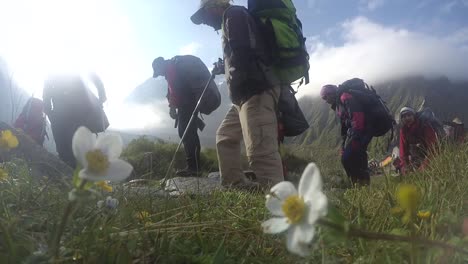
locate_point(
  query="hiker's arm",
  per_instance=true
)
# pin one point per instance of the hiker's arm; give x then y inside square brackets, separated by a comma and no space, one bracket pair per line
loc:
[344,134]
[174,87]
[430,137]
[355,111]
[236,28]
[46,97]
[403,153]
[99,86]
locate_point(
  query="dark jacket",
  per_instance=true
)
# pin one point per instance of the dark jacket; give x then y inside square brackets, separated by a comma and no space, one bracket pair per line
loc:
[244,56]
[67,100]
[415,143]
[352,118]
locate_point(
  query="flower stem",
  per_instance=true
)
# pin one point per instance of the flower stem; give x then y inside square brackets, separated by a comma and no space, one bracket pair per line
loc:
[355,232]
[66,215]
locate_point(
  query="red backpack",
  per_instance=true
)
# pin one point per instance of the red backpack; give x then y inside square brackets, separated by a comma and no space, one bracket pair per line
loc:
[32,120]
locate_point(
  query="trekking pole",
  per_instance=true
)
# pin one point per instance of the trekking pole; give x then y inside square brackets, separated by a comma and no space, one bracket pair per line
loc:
[194,114]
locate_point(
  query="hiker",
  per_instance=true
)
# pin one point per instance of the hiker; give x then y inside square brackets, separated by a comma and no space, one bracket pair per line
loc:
[186,77]
[417,138]
[355,132]
[253,89]
[455,130]
[69,104]
[32,120]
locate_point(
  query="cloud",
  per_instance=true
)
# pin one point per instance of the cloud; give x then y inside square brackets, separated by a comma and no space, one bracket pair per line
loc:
[372,4]
[190,49]
[378,53]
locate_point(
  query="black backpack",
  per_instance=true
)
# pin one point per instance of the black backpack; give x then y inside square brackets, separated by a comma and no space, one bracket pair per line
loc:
[196,76]
[375,108]
[290,114]
[427,116]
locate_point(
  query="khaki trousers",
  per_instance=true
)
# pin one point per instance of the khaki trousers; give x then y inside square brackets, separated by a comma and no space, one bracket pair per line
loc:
[255,122]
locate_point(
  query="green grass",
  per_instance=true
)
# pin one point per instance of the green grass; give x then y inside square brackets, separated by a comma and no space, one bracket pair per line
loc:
[224,227]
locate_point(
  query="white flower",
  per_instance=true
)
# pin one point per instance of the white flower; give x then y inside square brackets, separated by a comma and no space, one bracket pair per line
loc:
[100,157]
[297,210]
[109,203]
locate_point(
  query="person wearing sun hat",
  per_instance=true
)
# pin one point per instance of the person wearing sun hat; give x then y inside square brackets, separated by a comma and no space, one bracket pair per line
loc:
[253,89]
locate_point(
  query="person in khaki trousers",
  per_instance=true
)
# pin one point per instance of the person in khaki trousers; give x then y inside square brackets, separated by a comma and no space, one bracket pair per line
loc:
[254,91]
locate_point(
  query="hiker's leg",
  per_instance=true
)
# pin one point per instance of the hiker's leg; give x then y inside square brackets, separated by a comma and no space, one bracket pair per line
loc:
[191,140]
[65,150]
[61,133]
[260,131]
[228,139]
[364,175]
[354,162]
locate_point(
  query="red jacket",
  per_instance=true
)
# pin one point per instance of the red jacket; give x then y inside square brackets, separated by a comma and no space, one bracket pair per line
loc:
[352,117]
[417,133]
[173,90]
[32,120]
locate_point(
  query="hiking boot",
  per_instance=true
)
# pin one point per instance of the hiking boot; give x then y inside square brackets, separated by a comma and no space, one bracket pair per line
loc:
[187,173]
[250,175]
[244,185]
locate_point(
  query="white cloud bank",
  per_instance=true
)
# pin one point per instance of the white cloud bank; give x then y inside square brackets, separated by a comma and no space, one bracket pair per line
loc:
[378,53]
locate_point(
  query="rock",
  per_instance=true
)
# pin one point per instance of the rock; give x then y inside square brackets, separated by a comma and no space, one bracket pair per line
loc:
[146,191]
[39,160]
[193,185]
[214,175]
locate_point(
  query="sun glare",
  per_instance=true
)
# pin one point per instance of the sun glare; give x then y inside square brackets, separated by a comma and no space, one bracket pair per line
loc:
[45,37]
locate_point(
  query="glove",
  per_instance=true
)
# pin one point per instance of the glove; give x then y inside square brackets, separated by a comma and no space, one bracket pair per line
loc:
[173,113]
[218,67]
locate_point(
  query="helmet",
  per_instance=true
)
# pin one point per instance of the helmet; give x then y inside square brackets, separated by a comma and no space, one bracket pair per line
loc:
[328,90]
[406,110]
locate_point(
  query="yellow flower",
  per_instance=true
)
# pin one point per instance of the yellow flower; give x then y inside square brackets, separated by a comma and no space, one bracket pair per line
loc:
[104,186]
[142,215]
[3,174]
[424,214]
[408,198]
[8,140]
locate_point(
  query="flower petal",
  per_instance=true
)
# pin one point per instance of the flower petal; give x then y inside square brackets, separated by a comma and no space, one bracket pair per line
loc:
[274,205]
[317,207]
[118,170]
[311,181]
[275,225]
[298,239]
[110,144]
[283,190]
[83,141]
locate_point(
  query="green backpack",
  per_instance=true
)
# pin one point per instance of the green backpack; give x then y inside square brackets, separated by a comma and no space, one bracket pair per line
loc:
[283,34]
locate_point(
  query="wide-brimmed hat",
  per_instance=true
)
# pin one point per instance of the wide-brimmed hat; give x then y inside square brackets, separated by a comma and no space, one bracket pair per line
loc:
[199,16]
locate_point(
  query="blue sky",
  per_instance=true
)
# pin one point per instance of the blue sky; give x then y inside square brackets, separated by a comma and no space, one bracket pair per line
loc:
[372,39]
